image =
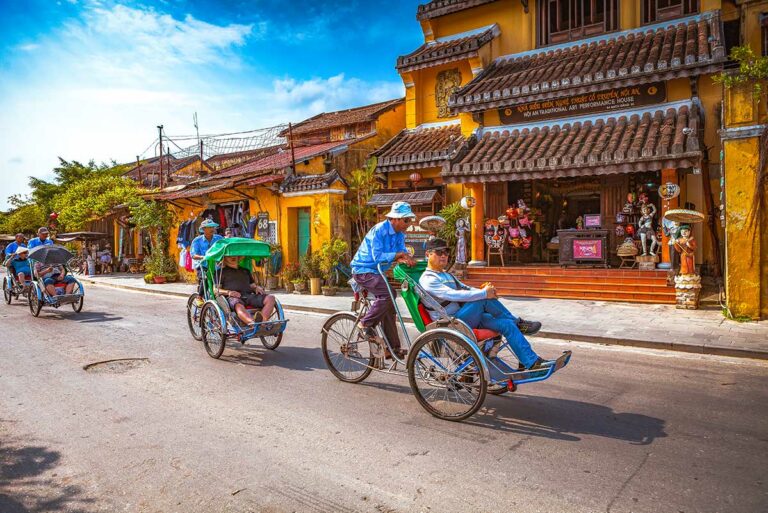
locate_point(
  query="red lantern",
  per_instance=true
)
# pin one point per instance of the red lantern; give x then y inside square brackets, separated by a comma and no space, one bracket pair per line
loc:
[54,216]
[415,178]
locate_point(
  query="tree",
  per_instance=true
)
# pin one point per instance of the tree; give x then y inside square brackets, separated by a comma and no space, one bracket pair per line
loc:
[363,184]
[24,219]
[91,197]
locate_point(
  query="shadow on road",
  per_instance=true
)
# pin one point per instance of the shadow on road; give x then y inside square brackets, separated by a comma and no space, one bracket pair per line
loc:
[23,489]
[87,316]
[555,418]
[293,358]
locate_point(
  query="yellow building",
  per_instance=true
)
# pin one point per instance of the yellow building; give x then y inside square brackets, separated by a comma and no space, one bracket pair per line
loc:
[569,106]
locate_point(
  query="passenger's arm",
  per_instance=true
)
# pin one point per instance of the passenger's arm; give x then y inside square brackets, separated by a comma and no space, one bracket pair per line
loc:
[439,290]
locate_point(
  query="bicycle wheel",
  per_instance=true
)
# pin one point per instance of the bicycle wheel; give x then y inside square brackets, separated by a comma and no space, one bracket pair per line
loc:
[7,293]
[446,375]
[193,317]
[213,331]
[272,341]
[349,360]
[78,305]
[35,304]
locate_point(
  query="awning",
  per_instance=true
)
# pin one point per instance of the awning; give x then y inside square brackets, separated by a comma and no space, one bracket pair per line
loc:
[69,237]
[419,148]
[385,199]
[627,142]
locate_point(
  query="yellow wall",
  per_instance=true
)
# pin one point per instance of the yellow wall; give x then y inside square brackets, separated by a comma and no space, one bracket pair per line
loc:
[322,206]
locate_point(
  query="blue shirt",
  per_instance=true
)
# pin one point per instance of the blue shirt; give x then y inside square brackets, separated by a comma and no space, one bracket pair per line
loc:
[379,246]
[200,245]
[33,243]
[12,247]
[21,266]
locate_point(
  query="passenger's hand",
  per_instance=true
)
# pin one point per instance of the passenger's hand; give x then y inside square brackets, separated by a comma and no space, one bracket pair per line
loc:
[233,293]
[490,291]
[258,289]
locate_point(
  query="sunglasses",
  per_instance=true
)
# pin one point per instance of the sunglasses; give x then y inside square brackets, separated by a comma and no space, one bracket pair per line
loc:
[441,252]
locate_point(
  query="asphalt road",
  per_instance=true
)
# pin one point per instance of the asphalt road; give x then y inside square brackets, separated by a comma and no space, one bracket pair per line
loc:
[618,430]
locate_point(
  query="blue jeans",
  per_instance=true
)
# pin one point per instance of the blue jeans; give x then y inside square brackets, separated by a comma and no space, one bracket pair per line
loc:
[490,314]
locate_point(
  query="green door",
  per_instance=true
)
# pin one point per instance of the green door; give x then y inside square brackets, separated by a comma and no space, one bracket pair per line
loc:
[304,232]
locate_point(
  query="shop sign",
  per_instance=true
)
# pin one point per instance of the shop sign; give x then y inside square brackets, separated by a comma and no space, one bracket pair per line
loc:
[587,249]
[262,225]
[616,98]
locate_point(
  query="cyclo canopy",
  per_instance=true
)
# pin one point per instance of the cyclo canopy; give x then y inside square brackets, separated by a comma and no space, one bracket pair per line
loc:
[252,251]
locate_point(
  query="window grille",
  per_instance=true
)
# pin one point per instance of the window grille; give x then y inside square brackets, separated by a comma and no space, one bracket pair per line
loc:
[568,20]
[661,10]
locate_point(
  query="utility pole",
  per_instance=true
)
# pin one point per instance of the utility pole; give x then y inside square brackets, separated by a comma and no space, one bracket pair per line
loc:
[138,166]
[160,132]
[197,131]
[201,157]
[293,154]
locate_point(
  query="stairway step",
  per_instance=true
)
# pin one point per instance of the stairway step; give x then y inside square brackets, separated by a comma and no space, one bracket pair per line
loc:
[558,271]
[581,286]
[634,297]
[613,280]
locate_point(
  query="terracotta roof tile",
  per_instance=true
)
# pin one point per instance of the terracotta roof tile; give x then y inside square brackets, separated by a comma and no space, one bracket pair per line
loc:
[299,183]
[191,192]
[338,118]
[434,53]
[614,143]
[414,197]
[419,148]
[678,48]
[150,170]
[437,8]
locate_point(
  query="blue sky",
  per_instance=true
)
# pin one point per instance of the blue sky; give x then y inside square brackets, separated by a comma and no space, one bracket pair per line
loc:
[90,79]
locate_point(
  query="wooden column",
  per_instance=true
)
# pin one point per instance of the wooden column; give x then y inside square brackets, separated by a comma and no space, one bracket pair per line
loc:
[667,176]
[477,220]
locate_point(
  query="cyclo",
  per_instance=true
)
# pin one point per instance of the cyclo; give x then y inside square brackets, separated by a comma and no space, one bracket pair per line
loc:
[11,286]
[447,366]
[39,295]
[212,321]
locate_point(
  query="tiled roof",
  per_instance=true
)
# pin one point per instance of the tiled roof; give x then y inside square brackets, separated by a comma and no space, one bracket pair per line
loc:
[338,118]
[262,180]
[615,143]
[226,160]
[678,48]
[300,183]
[437,8]
[150,169]
[414,198]
[419,148]
[281,159]
[191,192]
[434,53]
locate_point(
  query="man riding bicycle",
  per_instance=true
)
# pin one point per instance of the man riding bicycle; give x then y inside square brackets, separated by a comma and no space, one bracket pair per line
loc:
[384,244]
[199,246]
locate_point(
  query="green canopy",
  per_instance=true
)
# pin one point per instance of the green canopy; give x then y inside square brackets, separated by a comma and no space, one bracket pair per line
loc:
[252,250]
[411,275]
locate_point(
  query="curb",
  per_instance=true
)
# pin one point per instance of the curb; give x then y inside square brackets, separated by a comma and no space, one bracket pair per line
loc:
[682,347]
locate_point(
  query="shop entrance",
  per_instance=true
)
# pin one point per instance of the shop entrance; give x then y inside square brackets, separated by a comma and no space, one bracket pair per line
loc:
[303,230]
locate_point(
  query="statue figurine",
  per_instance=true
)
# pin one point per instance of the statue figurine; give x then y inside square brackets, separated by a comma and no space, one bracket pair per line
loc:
[462,227]
[646,230]
[669,228]
[580,223]
[685,244]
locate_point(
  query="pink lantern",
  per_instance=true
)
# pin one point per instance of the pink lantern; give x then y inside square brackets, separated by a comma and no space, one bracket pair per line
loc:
[415,178]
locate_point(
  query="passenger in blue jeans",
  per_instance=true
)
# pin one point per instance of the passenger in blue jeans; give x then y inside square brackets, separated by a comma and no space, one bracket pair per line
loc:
[479,308]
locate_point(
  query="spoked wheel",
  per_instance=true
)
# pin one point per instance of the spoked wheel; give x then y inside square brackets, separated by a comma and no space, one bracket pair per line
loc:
[35,304]
[497,389]
[7,293]
[193,317]
[272,341]
[214,333]
[349,360]
[78,305]
[446,375]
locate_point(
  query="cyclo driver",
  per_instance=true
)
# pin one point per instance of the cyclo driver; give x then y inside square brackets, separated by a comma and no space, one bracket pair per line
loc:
[384,244]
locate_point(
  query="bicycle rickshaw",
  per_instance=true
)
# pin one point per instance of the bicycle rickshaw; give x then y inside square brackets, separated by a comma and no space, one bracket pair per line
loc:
[447,364]
[213,322]
[38,296]
[11,286]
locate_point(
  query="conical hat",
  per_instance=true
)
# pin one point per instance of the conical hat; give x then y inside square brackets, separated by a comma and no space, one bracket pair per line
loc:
[683,215]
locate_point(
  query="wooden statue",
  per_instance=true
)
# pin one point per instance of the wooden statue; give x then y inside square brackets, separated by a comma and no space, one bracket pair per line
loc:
[685,244]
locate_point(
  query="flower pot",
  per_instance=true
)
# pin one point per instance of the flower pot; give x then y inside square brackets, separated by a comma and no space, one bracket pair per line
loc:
[272,282]
[289,287]
[299,287]
[329,291]
[159,279]
[314,286]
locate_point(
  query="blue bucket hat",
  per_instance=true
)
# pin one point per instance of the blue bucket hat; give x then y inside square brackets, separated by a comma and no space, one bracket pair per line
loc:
[208,224]
[400,210]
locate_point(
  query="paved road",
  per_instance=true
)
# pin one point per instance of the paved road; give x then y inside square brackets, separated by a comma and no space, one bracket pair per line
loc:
[617,431]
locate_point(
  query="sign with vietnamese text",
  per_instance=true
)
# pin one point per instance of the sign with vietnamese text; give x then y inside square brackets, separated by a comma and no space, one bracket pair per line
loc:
[587,249]
[616,98]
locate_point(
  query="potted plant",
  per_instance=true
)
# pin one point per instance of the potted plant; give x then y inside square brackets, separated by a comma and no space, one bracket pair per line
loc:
[272,268]
[331,253]
[149,278]
[310,267]
[290,274]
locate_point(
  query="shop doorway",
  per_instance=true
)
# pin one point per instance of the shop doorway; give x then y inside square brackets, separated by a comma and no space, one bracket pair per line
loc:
[303,230]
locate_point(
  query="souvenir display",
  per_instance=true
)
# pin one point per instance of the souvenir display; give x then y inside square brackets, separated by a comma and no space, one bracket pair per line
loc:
[646,230]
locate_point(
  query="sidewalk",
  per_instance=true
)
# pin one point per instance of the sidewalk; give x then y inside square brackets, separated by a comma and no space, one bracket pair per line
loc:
[653,326]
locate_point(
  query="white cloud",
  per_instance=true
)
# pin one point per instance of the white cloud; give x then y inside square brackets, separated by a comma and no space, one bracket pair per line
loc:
[29,47]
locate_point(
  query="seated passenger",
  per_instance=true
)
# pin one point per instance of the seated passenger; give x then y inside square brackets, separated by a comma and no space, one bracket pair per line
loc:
[238,286]
[18,266]
[479,308]
[53,275]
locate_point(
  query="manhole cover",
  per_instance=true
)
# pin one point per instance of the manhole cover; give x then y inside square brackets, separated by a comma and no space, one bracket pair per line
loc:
[117,366]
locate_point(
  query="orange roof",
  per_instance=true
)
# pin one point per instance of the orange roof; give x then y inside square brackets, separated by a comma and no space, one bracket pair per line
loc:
[327,120]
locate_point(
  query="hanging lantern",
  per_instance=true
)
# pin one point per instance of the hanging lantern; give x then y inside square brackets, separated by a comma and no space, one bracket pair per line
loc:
[669,191]
[468,202]
[415,178]
[54,216]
